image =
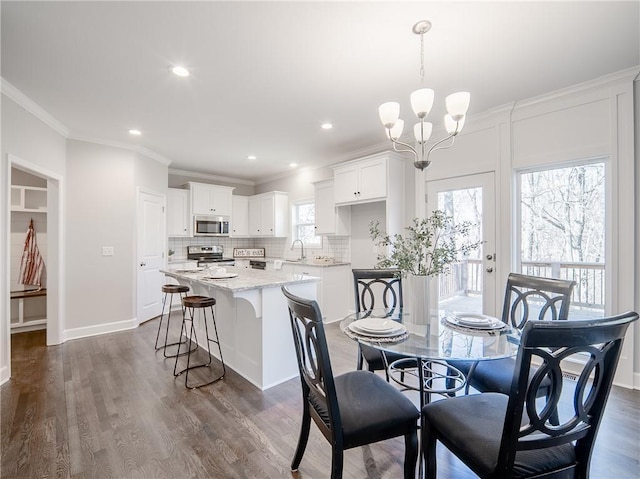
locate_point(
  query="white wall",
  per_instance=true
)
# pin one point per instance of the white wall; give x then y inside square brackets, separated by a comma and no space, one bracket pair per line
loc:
[39,145]
[101,211]
[363,254]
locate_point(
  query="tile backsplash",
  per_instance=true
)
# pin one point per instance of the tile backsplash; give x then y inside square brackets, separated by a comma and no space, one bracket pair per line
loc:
[337,247]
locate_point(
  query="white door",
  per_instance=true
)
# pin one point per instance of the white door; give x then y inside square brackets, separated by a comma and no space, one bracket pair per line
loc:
[471,285]
[151,258]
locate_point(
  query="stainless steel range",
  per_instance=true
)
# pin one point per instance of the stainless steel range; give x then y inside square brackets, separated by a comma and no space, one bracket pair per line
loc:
[205,255]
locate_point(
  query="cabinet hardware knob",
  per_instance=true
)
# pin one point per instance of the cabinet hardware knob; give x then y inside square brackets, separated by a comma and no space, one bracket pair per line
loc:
[489,269]
[143,264]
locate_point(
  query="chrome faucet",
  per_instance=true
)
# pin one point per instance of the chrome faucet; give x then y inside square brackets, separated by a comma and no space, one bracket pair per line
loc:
[302,256]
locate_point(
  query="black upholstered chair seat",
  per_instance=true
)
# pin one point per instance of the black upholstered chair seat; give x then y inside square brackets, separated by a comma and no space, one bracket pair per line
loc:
[365,421]
[478,441]
[495,375]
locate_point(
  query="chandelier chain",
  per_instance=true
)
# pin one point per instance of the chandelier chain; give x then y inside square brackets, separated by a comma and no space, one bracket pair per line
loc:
[422,58]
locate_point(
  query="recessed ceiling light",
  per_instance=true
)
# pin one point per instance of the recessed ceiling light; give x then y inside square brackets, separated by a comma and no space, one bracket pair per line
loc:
[251,157]
[293,165]
[135,132]
[326,126]
[180,71]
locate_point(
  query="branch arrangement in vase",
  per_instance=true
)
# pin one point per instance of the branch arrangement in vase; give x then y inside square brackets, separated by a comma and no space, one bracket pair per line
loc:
[428,248]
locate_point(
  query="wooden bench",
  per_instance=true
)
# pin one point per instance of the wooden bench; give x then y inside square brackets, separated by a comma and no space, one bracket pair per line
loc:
[20,296]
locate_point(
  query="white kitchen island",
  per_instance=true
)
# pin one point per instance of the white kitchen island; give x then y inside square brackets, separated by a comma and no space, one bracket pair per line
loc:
[253,319]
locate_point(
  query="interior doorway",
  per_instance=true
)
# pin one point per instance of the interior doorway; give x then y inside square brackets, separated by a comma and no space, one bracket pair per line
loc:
[28,252]
[53,252]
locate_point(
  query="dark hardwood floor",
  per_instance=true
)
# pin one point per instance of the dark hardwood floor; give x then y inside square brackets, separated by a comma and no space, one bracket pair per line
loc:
[109,407]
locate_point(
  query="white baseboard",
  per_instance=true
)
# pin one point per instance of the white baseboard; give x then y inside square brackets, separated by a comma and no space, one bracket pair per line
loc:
[4,375]
[636,381]
[88,331]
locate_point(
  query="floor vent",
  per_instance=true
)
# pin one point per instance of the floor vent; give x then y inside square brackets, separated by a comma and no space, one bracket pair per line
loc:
[569,376]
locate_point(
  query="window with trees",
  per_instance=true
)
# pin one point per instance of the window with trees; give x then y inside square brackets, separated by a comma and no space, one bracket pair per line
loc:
[304,224]
[562,229]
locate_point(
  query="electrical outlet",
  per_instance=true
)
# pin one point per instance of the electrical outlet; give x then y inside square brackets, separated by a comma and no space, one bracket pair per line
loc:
[107,251]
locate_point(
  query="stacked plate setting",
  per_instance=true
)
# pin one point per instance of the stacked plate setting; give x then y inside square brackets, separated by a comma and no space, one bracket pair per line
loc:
[377,327]
[475,321]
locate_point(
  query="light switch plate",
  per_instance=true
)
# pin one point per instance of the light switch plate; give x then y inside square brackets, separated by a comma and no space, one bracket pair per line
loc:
[107,251]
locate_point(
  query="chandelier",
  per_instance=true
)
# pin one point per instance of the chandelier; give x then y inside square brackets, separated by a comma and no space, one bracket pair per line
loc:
[421,103]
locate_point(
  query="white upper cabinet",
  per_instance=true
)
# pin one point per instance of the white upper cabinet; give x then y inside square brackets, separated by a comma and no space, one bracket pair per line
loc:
[330,219]
[361,181]
[240,216]
[269,214]
[210,199]
[178,214]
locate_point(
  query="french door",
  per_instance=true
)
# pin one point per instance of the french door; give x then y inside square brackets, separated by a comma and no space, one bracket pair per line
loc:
[470,284]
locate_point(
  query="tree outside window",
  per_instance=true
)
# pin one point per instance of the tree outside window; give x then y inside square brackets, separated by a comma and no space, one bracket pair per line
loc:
[562,228]
[304,224]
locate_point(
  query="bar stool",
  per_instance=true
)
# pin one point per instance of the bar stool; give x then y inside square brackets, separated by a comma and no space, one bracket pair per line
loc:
[190,304]
[169,290]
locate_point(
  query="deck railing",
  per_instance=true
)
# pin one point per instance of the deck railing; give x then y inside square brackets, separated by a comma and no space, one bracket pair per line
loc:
[465,278]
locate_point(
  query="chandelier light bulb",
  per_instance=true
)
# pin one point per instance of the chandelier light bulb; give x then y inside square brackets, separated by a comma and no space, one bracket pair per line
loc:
[396,131]
[422,101]
[451,124]
[422,131]
[389,113]
[458,104]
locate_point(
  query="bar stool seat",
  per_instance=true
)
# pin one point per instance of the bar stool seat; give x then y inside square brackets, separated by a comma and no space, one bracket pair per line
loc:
[169,290]
[190,304]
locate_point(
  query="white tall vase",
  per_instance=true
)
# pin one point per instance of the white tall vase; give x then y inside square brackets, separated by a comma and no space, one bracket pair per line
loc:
[417,300]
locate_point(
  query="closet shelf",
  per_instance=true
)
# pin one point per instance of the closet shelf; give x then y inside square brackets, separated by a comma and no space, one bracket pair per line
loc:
[29,199]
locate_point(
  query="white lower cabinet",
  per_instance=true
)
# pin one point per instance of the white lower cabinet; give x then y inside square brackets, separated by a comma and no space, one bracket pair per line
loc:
[242,263]
[333,289]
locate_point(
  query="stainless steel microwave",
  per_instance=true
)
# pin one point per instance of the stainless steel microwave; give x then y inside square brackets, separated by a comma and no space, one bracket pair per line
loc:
[211,226]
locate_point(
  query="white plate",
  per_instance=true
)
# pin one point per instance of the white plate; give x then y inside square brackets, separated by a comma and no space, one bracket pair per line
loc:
[475,321]
[378,334]
[221,276]
[377,325]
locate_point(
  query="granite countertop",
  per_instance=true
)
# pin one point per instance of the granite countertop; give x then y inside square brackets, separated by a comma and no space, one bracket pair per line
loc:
[246,279]
[307,262]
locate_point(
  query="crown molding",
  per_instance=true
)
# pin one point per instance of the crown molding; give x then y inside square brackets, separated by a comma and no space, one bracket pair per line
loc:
[124,146]
[32,107]
[208,176]
[623,76]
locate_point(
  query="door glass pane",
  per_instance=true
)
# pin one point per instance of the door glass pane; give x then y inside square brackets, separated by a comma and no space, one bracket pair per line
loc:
[562,227]
[461,288]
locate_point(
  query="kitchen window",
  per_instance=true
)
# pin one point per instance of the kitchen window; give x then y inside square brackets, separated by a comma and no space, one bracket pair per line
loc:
[304,224]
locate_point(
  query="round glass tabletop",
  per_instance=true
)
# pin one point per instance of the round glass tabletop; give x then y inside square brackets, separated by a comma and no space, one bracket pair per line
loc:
[444,335]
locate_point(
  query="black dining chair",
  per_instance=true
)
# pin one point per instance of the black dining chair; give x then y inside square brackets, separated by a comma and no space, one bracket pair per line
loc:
[352,409]
[512,436]
[526,297]
[377,288]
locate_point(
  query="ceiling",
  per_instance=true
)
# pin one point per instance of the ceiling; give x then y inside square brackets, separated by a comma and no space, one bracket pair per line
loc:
[265,75]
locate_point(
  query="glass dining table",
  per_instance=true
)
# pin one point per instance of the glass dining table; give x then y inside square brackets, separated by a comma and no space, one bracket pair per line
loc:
[428,343]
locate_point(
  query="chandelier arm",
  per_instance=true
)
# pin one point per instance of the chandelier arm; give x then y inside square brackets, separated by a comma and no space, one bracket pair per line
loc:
[436,147]
[410,149]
